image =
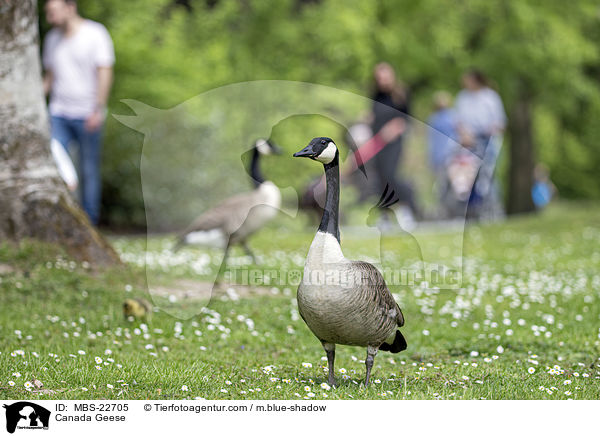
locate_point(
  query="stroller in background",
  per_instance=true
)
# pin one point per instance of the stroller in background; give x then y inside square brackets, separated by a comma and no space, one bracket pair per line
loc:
[469,188]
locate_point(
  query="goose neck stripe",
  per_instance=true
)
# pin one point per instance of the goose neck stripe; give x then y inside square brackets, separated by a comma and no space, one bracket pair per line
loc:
[329,221]
[255,172]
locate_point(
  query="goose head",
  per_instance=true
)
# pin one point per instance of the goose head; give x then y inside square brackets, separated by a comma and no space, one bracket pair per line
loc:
[321,149]
[266,147]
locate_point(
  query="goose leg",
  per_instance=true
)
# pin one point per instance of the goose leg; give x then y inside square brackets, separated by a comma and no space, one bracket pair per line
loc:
[248,251]
[330,350]
[371,353]
[223,265]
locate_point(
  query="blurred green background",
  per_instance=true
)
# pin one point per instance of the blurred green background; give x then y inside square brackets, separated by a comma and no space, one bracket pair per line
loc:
[545,54]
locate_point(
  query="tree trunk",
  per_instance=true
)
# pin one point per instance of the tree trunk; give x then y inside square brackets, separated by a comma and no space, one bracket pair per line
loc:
[34,201]
[521,155]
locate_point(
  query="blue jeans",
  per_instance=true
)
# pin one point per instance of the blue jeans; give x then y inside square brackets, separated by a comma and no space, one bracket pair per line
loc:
[66,131]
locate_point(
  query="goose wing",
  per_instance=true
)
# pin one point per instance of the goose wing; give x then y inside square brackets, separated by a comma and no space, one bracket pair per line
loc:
[374,288]
[228,215]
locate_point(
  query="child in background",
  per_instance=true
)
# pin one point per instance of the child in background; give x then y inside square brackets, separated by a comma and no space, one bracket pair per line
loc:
[442,134]
[543,189]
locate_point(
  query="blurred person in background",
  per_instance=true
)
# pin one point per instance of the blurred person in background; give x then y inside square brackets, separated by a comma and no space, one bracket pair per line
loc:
[78,56]
[442,132]
[442,136]
[391,102]
[481,121]
[543,190]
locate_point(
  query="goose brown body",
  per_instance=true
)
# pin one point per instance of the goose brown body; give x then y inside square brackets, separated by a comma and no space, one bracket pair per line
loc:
[239,216]
[347,302]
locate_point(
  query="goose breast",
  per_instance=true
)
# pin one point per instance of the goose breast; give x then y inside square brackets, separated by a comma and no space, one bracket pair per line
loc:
[345,302]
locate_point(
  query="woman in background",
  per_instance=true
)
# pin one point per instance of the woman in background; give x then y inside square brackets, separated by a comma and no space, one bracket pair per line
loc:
[481,122]
[480,112]
[391,102]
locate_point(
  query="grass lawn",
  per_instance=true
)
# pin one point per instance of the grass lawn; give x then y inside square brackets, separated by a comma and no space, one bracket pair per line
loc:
[524,325]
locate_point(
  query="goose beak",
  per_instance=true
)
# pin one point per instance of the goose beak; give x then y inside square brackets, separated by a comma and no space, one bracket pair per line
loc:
[305,152]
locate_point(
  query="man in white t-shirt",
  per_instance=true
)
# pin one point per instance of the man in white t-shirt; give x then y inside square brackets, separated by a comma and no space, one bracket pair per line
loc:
[78,57]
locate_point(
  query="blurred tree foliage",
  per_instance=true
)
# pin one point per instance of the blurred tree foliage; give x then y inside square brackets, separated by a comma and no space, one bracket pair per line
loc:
[543,57]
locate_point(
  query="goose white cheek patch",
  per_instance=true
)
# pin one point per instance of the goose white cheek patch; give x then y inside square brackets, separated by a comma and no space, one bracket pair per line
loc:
[263,147]
[328,154]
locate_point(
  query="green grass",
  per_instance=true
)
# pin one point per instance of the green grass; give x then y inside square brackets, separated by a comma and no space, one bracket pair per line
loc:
[529,299]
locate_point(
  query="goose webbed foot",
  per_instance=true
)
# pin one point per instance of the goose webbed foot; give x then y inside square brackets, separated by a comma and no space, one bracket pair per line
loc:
[330,350]
[371,353]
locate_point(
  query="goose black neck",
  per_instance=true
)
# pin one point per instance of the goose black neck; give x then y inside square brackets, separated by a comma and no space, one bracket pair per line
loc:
[329,222]
[257,177]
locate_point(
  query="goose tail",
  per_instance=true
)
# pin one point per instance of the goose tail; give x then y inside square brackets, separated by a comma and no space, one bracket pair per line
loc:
[398,345]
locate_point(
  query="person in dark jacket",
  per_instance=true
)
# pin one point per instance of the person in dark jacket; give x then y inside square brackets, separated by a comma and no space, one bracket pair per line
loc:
[391,102]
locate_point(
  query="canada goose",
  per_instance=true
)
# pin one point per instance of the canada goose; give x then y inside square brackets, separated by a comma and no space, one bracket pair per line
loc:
[343,301]
[235,219]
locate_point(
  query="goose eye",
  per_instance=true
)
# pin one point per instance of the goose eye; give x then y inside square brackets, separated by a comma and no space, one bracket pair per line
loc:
[322,142]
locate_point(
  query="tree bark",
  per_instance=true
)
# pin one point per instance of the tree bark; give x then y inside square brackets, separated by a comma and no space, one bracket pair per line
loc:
[521,154]
[34,201]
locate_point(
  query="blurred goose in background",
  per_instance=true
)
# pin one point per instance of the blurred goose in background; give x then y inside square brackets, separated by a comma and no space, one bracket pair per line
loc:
[235,219]
[343,301]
